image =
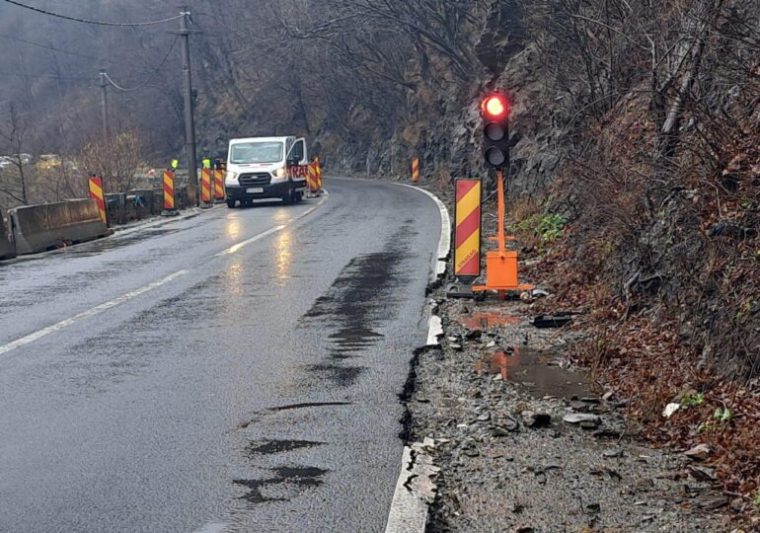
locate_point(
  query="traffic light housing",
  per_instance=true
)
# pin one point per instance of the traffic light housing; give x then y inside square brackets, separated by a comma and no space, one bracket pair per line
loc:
[494,109]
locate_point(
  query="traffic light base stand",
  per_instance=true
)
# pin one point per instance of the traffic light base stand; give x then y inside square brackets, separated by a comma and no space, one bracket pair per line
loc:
[501,273]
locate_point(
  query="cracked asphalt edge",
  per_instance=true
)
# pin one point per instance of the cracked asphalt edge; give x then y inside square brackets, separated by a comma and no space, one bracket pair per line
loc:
[416,488]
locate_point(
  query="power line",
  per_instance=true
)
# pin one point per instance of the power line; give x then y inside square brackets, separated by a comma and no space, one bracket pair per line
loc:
[94,22]
[44,76]
[122,89]
[47,47]
[147,80]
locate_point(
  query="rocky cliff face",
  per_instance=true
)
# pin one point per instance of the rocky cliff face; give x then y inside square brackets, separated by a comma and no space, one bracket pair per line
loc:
[654,167]
[443,126]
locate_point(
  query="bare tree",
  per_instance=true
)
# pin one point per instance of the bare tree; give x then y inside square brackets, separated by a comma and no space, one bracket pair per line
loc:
[116,160]
[12,139]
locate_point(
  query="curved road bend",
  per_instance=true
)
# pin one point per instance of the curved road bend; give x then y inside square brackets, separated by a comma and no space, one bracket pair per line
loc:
[234,371]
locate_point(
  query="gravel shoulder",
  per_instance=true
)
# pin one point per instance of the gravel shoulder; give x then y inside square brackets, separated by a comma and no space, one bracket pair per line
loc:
[525,443]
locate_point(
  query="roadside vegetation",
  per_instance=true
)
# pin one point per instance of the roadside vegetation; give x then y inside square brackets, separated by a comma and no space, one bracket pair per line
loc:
[660,191]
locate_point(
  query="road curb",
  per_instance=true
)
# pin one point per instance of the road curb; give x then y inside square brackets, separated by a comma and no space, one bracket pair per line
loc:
[416,488]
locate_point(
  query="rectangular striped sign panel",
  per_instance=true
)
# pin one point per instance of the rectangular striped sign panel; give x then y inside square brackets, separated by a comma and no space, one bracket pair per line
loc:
[467,232]
[218,185]
[318,166]
[168,190]
[311,178]
[95,185]
[206,186]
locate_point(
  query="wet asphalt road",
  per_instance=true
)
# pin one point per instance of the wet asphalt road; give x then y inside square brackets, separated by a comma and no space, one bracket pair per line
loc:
[181,381]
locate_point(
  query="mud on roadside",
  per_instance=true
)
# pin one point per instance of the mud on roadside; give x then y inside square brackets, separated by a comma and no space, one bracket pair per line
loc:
[525,443]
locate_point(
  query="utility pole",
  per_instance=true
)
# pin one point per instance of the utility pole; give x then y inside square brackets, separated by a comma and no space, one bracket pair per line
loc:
[104,103]
[192,171]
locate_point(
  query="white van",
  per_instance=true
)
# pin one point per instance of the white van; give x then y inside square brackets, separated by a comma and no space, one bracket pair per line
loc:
[266,167]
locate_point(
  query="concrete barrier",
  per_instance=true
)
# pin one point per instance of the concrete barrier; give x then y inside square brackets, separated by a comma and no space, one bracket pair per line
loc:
[37,228]
[116,207]
[157,207]
[142,203]
[181,199]
[7,247]
[136,207]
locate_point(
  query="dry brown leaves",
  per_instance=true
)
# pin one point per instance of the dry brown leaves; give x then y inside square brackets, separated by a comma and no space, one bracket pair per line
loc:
[643,360]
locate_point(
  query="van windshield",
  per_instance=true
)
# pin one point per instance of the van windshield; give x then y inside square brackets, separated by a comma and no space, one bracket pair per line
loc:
[256,152]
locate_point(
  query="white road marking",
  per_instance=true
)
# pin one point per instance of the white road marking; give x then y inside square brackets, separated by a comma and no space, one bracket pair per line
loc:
[415,491]
[213,527]
[435,331]
[23,341]
[444,243]
[239,246]
[89,313]
[409,509]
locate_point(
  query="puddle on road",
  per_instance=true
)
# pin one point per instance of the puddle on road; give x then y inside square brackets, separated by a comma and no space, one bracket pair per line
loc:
[301,474]
[287,483]
[537,372]
[354,338]
[292,406]
[344,376]
[289,407]
[272,447]
[489,319]
[359,302]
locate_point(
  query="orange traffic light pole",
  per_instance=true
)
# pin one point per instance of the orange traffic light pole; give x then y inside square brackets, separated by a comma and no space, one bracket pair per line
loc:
[501,264]
[501,211]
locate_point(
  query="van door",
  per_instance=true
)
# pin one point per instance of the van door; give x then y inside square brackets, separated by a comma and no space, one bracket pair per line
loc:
[297,154]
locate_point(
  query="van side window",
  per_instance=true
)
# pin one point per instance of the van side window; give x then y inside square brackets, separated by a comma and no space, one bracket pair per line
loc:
[298,151]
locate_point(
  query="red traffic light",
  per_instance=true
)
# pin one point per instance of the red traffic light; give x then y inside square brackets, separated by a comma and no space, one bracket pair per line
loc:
[495,107]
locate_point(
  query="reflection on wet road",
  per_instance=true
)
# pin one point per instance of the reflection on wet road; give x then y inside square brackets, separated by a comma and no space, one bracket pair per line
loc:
[257,391]
[283,249]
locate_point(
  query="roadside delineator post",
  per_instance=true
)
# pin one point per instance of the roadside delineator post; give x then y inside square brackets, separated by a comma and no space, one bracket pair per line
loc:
[219,185]
[311,178]
[467,213]
[170,208]
[416,170]
[95,185]
[206,188]
[318,164]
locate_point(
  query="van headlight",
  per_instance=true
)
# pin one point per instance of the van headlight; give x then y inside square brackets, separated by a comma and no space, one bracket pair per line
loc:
[231,176]
[281,172]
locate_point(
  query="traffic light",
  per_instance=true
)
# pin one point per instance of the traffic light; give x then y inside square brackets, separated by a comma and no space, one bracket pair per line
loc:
[495,112]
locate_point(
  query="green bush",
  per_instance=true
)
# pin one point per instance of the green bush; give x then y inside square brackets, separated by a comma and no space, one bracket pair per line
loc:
[693,399]
[547,227]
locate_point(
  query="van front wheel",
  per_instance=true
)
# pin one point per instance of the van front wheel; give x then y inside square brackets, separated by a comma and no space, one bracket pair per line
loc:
[290,195]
